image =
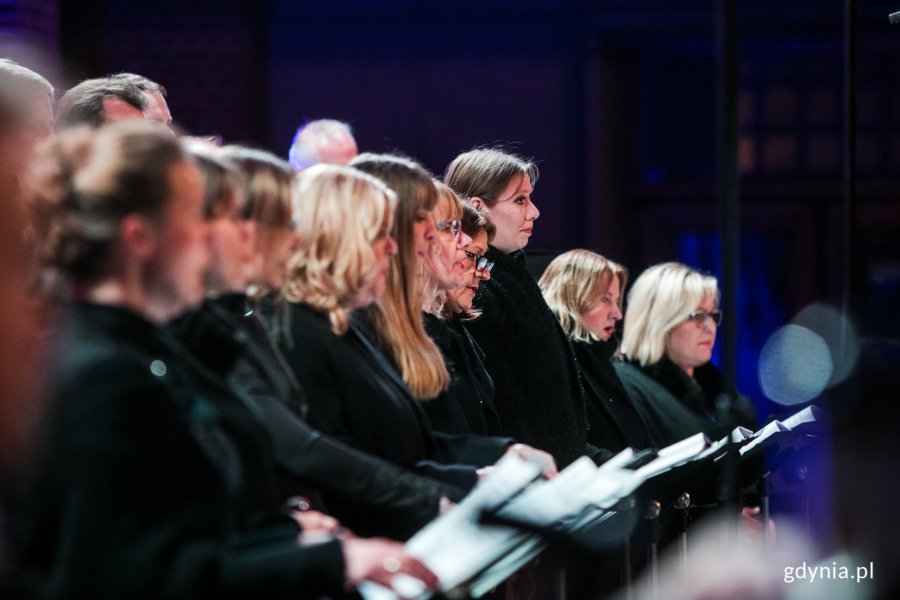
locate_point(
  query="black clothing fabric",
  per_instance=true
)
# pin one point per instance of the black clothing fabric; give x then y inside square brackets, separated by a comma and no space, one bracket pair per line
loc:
[355,396]
[460,447]
[538,395]
[147,486]
[674,405]
[467,406]
[614,425]
[367,494]
[613,422]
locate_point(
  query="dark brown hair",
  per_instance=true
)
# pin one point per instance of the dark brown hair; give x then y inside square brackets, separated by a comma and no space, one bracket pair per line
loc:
[83,104]
[486,172]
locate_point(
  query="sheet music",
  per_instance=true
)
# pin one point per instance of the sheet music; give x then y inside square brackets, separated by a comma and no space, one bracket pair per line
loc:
[611,485]
[675,454]
[738,435]
[619,460]
[506,567]
[763,434]
[546,502]
[807,415]
[461,550]
[456,546]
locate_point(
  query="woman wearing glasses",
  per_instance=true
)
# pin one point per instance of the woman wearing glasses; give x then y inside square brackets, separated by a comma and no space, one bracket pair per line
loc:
[467,406]
[445,268]
[670,330]
[393,324]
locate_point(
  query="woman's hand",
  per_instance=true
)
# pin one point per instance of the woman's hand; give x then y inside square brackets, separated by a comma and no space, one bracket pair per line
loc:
[548,465]
[379,560]
[313,520]
[752,523]
[445,505]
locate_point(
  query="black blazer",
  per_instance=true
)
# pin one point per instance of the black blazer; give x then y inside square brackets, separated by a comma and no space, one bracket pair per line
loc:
[539,396]
[368,494]
[356,396]
[467,406]
[142,487]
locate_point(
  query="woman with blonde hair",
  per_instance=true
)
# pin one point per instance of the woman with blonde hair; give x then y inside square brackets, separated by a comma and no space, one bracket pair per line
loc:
[345,219]
[584,291]
[670,330]
[369,495]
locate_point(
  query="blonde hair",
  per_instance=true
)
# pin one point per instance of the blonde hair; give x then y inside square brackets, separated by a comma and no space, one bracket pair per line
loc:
[451,204]
[341,212]
[397,315]
[572,282]
[661,298]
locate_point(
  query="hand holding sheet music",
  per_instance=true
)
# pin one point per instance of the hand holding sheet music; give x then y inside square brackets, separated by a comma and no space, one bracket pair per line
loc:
[457,546]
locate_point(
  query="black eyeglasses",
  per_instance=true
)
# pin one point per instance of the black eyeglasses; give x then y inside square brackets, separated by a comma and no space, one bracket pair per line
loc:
[454,225]
[481,262]
[701,316]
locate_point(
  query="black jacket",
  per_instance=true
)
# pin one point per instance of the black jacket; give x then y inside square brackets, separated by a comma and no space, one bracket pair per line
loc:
[461,447]
[674,405]
[467,406]
[355,395]
[147,487]
[614,423]
[367,494]
[538,395]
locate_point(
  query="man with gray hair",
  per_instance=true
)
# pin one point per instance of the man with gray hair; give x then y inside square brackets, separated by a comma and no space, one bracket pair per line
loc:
[95,102]
[322,141]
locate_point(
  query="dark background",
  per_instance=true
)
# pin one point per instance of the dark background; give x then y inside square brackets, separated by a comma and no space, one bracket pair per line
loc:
[615,99]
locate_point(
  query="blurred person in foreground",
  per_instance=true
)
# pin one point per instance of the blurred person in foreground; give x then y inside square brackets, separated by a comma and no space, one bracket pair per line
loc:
[149,482]
[20,322]
[248,207]
[27,99]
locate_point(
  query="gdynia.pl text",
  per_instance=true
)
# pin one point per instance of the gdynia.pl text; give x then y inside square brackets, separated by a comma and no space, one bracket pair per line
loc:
[811,573]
